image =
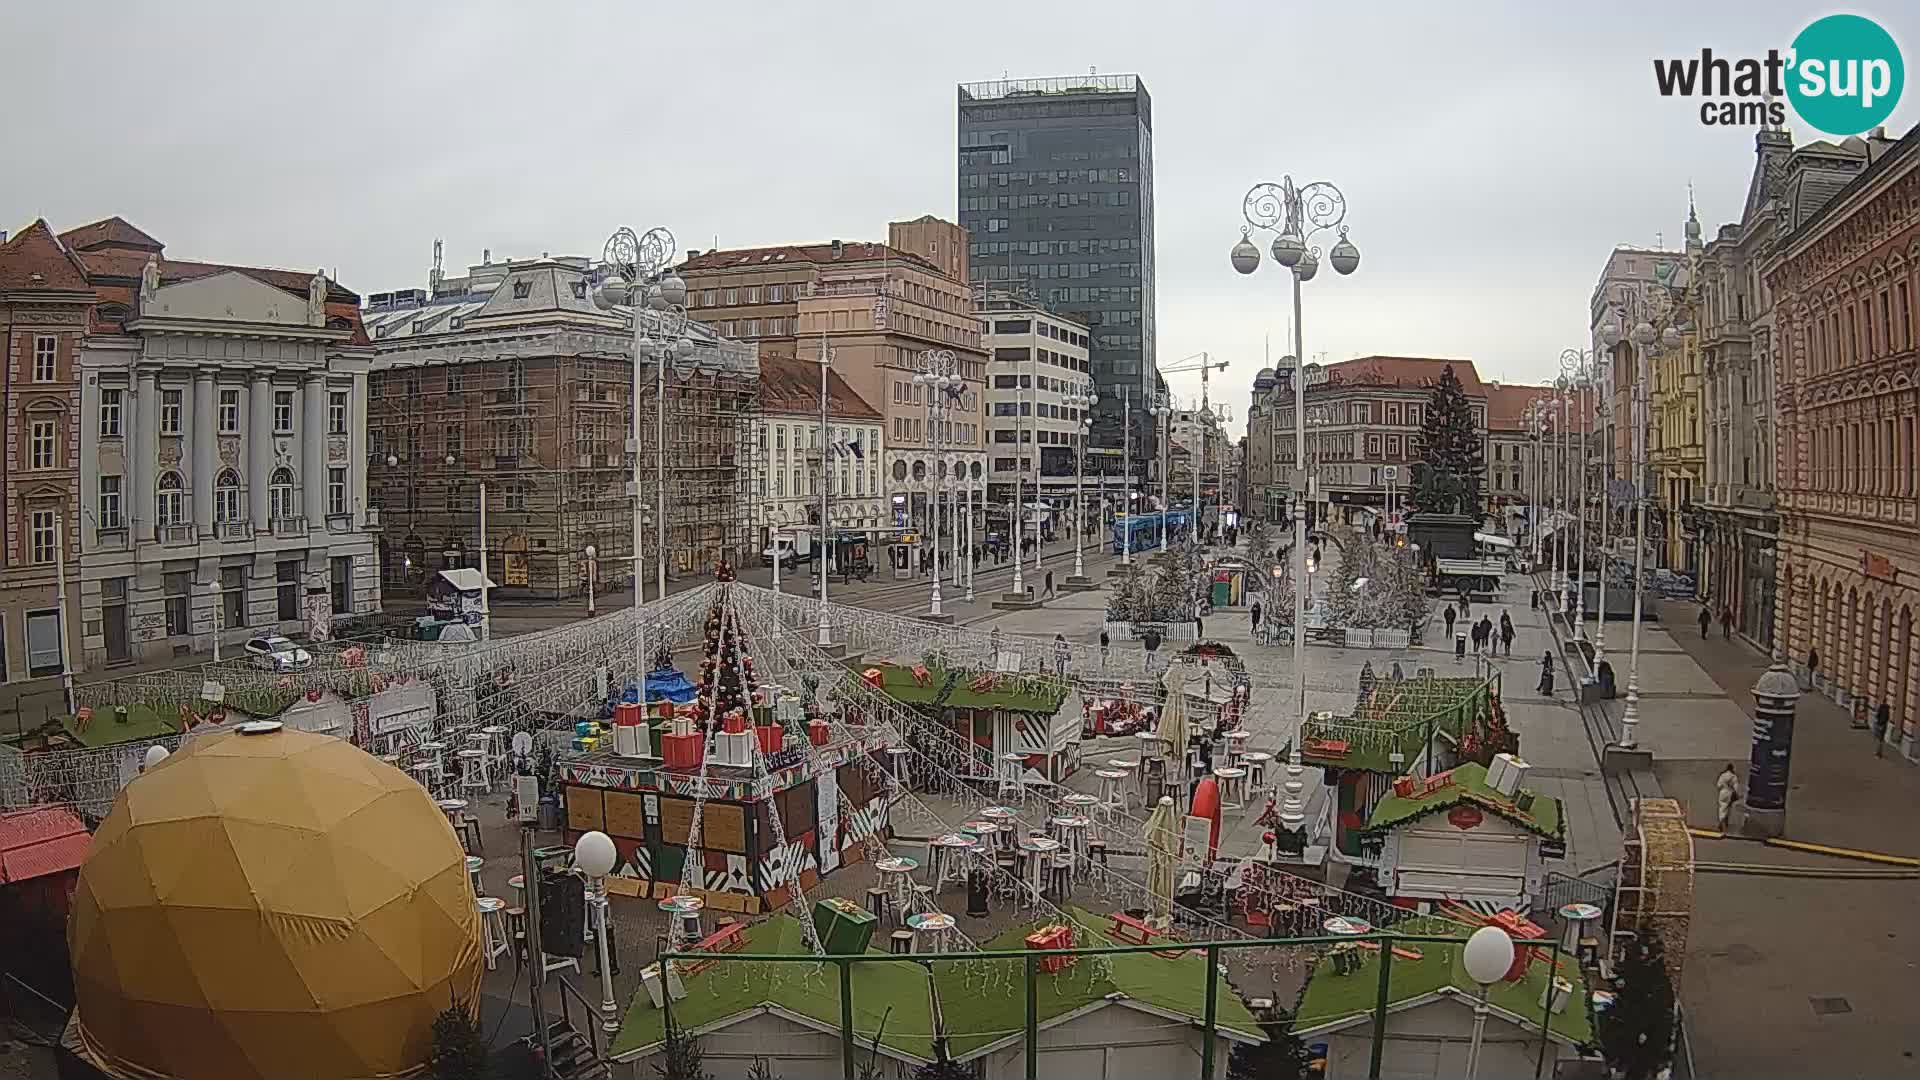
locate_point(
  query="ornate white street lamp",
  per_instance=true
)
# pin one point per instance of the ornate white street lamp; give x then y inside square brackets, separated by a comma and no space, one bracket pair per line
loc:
[637,274]
[1298,214]
[594,856]
[939,373]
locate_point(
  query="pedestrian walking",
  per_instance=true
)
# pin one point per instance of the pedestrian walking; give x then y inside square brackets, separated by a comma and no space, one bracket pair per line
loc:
[1706,620]
[1199,623]
[1474,635]
[1062,652]
[1049,584]
[1813,665]
[1726,793]
[1449,615]
[1726,623]
[1103,647]
[1254,612]
[1465,605]
[1506,635]
[1882,717]
[1546,675]
[993,645]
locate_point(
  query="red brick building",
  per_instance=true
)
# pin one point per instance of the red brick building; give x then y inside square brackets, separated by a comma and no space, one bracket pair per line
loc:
[1846,284]
[45,304]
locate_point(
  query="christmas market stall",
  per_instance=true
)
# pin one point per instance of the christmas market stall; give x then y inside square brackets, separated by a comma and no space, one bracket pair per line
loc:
[1002,713]
[1399,726]
[1470,834]
[762,790]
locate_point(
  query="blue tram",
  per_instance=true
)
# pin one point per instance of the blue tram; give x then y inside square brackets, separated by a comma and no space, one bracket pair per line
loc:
[1141,532]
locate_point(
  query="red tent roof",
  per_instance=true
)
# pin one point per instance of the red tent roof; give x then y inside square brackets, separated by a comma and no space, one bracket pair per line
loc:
[40,841]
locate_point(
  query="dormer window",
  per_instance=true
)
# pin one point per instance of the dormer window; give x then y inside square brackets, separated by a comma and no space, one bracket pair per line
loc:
[522,290]
[579,290]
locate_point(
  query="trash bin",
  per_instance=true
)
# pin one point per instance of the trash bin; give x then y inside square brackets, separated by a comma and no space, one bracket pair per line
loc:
[549,812]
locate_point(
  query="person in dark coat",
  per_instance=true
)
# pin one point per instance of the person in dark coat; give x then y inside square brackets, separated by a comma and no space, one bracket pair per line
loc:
[1546,674]
[1254,612]
[1506,634]
[1705,620]
[1882,718]
[1449,615]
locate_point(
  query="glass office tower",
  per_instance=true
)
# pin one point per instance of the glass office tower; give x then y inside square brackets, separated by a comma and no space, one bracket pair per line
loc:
[1056,191]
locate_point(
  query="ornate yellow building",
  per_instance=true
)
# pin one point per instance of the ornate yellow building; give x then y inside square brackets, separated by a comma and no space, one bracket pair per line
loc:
[1677,451]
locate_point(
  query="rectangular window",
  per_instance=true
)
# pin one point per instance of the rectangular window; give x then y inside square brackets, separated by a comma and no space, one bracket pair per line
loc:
[43,643]
[342,566]
[283,412]
[709,297]
[41,451]
[337,412]
[456,438]
[774,294]
[286,590]
[170,412]
[233,596]
[46,348]
[753,294]
[456,381]
[110,413]
[177,585]
[733,297]
[229,412]
[337,492]
[40,534]
[109,507]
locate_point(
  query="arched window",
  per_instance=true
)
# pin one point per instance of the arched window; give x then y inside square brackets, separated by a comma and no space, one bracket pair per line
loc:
[171,506]
[280,493]
[226,497]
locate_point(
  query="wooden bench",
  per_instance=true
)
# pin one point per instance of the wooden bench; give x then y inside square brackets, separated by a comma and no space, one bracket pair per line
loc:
[1400,952]
[731,937]
[1125,928]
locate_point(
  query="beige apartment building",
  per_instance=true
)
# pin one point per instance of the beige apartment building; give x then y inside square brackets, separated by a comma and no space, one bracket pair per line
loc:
[876,309]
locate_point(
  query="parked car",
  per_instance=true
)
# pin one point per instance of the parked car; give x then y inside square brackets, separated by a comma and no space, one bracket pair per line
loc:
[276,653]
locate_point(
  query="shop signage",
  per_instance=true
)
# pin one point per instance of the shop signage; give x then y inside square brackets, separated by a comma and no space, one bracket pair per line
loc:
[1465,817]
[1877,566]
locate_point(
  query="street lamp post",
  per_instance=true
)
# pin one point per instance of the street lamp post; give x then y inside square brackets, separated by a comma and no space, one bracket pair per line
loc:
[637,274]
[1609,338]
[1487,956]
[1163,426]
[592,553]
[939,374]
[594,856]
[1582,372]
[1646,336]
[1299,214]
[823,632]
[1082,400]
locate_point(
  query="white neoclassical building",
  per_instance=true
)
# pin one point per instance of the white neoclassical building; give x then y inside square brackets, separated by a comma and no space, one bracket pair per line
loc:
[223,453]
[789,484]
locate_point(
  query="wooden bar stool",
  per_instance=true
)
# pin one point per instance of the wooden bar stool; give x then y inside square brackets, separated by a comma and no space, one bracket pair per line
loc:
[1112,799]
[473,771]
[1233,788]
[493,928]
[902,943]
[1256,763]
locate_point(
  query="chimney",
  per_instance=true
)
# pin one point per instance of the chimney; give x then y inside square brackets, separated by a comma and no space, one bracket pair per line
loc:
[693,253]
[837,249]
[486,256]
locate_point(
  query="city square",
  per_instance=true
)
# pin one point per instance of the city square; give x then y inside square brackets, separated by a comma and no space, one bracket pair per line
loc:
[1058,597]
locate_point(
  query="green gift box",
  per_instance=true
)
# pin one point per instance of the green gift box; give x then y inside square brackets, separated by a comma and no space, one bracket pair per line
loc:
[845,928]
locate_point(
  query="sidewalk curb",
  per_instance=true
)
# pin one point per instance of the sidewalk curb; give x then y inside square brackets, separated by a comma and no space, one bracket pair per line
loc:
[1621,788]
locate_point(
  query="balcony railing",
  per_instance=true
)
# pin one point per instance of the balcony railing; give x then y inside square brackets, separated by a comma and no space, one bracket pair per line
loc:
[290,526]
[234,530]
[110,539]
[176,535]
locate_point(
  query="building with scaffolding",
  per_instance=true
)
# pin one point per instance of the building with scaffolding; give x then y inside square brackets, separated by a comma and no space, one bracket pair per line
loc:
[511,382]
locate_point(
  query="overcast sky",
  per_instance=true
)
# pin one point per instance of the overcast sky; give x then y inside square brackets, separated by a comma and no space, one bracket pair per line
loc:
[1491,154]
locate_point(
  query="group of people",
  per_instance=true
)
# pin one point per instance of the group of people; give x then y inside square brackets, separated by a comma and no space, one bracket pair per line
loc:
[1483,633]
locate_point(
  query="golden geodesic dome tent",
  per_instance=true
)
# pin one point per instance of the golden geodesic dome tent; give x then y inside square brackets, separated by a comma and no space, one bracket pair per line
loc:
[270,904]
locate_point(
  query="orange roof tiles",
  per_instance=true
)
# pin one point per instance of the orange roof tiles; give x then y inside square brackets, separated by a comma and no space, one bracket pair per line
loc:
[41,840]
[793,386]
[1507,405]
[1411,372]
[35,260]
[779,255]
[113,232]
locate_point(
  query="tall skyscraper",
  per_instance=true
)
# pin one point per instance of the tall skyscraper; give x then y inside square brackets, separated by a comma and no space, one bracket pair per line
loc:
[1056,190]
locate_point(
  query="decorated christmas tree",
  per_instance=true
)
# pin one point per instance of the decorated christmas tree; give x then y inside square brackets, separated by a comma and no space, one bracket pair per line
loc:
[727,683]
[1259,540]
[1451,456]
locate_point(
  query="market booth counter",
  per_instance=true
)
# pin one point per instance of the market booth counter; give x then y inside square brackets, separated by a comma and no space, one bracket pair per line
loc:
[647,805]
[998,712]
